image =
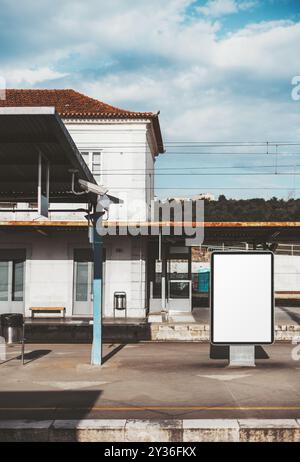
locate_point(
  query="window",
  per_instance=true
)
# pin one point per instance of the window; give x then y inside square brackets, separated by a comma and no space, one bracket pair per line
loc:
[179,289]
[93,161]
[3,281]
[18,281]
[83,274]
[82,281]
[12,265]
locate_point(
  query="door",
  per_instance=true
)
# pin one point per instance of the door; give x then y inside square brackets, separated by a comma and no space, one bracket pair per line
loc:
[179,278]
[83,283]
[176,266]
[12,266]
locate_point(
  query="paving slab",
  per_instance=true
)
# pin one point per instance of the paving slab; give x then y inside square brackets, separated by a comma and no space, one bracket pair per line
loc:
[147,381]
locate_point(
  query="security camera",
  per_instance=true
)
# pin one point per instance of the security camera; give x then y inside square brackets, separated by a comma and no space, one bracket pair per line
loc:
[103,202]
[92,188]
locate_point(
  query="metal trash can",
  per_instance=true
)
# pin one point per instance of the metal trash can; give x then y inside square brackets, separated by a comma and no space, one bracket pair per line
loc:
[12,327]
[120,303]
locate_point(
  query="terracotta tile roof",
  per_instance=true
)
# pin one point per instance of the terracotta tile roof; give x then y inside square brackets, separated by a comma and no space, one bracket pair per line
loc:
[72,104]
[69,103]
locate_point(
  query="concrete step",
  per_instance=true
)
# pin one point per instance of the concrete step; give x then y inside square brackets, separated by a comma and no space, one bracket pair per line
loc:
[202,430]
[136,332]
[83,333]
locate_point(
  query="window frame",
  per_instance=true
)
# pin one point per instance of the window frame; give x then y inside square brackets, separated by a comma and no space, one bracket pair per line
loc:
[89,154]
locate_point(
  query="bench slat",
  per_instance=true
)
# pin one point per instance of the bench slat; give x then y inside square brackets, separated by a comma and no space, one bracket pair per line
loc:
[48,308]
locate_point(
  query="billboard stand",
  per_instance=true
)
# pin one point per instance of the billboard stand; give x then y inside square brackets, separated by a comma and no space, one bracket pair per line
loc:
[242,303]
[242,356]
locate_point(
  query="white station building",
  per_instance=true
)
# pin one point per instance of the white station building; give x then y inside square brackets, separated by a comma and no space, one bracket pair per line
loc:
[48,261]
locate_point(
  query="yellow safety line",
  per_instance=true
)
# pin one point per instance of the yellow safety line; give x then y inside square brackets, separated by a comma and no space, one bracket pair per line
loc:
[158,408]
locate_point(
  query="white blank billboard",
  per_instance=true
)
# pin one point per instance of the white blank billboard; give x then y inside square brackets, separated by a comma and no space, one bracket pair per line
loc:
[242,298]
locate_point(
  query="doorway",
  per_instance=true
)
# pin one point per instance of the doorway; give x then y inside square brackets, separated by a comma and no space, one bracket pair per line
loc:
[170,282]
[83,282]
[179,278]
[12,271]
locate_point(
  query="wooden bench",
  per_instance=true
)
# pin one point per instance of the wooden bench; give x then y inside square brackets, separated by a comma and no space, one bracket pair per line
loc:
[47,309]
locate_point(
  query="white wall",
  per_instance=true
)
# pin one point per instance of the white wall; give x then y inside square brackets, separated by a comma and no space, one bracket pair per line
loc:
[287,272]
[48,268]
[125,156]
[150,164]
[125,271]
[127,151]
[126,147]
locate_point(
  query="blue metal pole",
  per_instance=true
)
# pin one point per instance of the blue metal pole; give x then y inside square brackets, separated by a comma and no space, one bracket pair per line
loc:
[97,299]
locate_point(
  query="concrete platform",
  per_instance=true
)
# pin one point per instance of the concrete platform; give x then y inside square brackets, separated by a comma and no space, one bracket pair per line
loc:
[147,381]
[117,430]
[176,326]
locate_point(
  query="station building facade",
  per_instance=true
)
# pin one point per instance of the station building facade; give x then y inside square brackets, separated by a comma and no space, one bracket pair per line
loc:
[48,261]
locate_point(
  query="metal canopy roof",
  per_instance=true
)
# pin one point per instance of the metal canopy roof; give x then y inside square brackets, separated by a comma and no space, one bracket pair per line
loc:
[26,132]
[227,232]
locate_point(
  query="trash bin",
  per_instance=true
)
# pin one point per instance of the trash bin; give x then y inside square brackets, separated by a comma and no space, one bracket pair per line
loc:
[120,302]
[12,327]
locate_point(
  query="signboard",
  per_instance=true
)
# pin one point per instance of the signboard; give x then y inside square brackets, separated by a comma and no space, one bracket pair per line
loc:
[242,298]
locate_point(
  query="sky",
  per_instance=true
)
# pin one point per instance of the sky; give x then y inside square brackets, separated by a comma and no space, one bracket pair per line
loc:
[218,70]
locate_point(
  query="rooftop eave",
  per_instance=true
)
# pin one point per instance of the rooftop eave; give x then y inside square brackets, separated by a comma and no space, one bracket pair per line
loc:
[150,117]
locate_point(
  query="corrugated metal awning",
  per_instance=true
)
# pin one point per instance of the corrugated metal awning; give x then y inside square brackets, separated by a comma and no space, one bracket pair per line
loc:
[25,133]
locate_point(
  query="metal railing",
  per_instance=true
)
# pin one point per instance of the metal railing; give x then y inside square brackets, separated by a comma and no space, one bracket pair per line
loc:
[282,249]
[288,249]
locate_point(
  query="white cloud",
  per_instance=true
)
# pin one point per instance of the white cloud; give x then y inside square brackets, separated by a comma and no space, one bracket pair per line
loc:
[148,56]
[193,108]
[17,77]
[217,8]
[263,50]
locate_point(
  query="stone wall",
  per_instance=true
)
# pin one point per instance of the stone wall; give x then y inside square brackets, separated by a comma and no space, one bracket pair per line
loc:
[200,332]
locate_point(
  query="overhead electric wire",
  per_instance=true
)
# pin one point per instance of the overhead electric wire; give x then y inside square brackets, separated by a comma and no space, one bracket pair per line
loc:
[213,174]
[141,172]
[206,167]
[207,143]
[195,153]
[237,142]
[202,167]
[208,187]
[185,149]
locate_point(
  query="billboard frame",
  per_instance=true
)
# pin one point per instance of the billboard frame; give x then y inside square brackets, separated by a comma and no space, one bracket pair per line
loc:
[212,296]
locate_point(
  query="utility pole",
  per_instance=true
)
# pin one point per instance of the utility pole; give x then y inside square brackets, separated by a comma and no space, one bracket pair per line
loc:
[97,293]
